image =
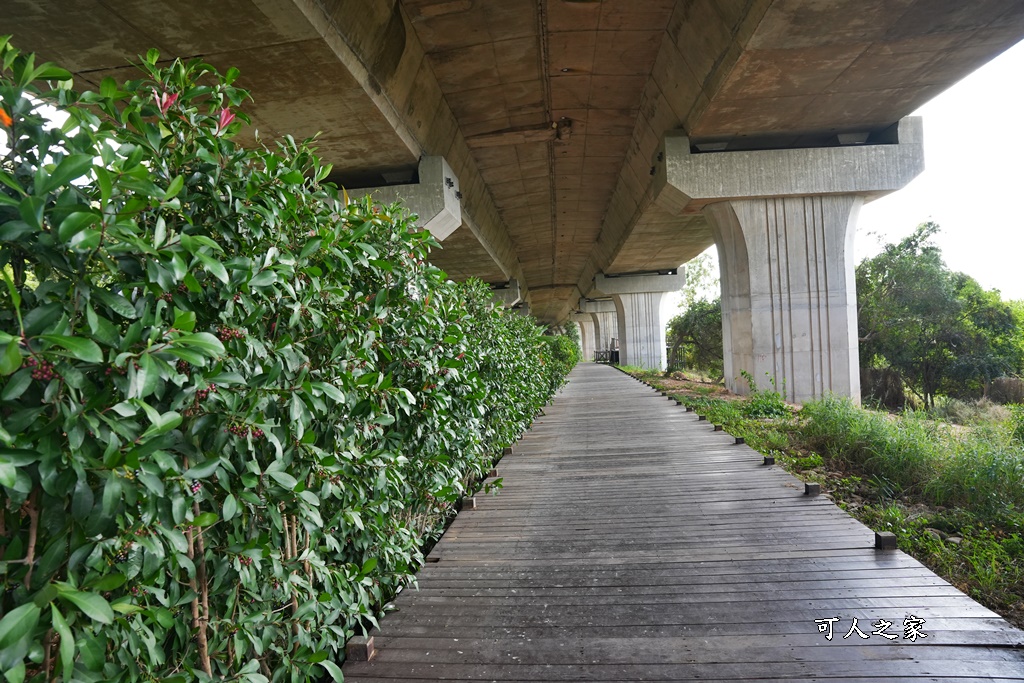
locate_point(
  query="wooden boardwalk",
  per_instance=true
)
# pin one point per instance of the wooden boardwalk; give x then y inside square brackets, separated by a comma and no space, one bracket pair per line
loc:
[632,542]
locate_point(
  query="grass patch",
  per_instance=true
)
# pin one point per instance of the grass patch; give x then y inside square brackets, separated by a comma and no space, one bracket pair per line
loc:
[952,493]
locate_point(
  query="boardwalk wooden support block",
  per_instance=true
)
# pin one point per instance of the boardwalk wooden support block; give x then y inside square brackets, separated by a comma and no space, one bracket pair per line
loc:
[769,460]
[507,451]
[689,409]
[492,473]
[469,503]
[740,441]
[885,540]
[812,488]
[359,649]
[701,417]
[678,402]
[719,428]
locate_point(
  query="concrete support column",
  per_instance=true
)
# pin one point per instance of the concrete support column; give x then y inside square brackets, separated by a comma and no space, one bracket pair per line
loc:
[789,304]
[637,301]
[784,221]
[606,326]
[586,325]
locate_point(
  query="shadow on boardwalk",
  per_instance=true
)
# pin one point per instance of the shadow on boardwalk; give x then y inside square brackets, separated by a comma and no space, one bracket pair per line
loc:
[632,542]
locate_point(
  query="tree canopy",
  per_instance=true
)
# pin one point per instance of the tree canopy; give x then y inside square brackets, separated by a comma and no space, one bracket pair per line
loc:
[939,329]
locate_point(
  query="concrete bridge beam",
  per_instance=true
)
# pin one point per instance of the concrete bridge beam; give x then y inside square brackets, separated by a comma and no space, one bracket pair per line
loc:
[637,301]
[784,223]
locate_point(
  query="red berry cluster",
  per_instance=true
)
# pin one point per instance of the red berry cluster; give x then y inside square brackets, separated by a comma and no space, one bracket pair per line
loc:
[182,288]
[167,296]
[443,372]
[257,433]
[237,298]
[244,560]
[182,366]
[203,393]
[195,488]
[43,369]
[227,334]
[111,369]
[241,431]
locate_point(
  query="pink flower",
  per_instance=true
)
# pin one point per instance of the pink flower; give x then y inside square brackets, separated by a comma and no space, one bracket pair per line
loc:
[164,100]
[225,119]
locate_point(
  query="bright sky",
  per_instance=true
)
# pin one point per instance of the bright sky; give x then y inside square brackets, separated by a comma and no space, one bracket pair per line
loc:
[973,179]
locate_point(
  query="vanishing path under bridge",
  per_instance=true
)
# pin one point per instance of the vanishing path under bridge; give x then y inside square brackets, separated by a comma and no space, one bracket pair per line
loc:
[632,542]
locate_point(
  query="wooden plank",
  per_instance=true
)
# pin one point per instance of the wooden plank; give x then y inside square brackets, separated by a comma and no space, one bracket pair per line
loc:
[631,542]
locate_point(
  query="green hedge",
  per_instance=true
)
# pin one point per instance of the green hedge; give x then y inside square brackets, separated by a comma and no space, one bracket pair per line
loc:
[233,405]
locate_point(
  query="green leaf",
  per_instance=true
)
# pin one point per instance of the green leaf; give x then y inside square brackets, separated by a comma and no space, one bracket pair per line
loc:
[16,386]
[17,623]
[334,670]
[213,266]
[230,507]
[293,177]
[79,348]
[51,72]
[205,519]
[332,391]
[185,320]
[16,674]
[10,361]
[283,479]
[311,246]
[93,605]
[368,567]
[204,470]
[263,278]
[147,377]
[175,537]
[70,168]
[75,223]
[67,642]
[204,342]
[117,303]
[174,188]
[164,423]
[8,474]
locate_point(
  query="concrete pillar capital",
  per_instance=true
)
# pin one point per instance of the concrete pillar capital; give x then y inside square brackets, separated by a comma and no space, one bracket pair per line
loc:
[610,285]
[597,306]
[510,294]
[435,199]
[693,180]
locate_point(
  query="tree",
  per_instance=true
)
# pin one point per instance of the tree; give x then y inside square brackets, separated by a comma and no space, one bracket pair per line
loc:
[696,337]
[938,328]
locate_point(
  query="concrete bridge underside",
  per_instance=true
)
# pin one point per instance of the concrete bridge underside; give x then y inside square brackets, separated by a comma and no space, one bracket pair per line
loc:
[567,123]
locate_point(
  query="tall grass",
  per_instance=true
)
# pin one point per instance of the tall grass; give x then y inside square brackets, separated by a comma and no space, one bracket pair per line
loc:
[981,468]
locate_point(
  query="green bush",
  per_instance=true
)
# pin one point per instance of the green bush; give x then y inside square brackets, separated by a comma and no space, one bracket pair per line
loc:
[980,469]
[233,404]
